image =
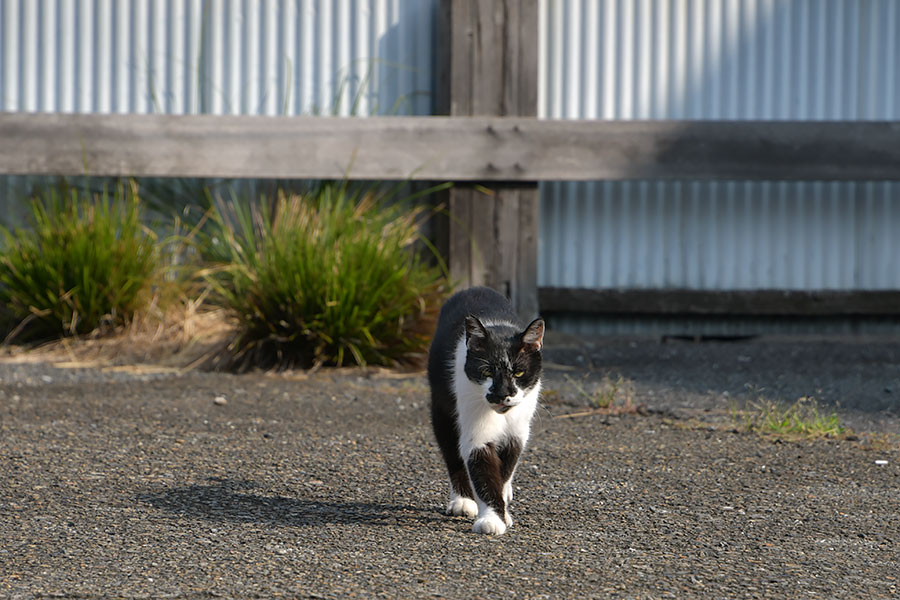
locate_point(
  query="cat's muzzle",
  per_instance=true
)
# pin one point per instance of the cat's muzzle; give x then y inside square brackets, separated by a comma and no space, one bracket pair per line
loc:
[500,404]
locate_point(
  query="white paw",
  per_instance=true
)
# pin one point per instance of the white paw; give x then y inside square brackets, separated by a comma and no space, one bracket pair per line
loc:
[462,507]
[507,492]
[490,524]
[508,519]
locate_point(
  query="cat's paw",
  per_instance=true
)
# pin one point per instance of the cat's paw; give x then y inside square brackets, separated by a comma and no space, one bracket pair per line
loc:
[508,519]
[462,507]
[489,524]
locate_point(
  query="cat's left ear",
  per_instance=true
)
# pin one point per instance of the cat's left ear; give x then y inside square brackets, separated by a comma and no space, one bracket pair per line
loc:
[533,336]
[476,334]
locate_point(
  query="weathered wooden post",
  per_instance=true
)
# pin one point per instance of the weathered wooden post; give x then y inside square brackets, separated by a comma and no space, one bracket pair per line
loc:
[488,65]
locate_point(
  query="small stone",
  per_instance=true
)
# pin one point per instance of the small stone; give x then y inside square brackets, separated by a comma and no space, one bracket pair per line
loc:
[220,400]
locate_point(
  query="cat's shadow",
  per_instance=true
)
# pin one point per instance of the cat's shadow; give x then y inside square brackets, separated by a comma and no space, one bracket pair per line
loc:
[240,501]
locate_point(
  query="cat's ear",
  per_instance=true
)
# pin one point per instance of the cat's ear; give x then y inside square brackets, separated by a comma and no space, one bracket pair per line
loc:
[476,334]
[533,336]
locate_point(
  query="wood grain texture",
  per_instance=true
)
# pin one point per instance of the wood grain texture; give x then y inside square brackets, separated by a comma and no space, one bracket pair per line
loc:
[445,148]
[493,72]
[461,255]
[442,59]
[527,253]
[526,71]
[771,303]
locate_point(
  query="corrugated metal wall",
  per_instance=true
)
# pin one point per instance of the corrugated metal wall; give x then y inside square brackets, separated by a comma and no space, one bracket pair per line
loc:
[721,235]
[609,59]
[268,57]
[719,59]
[217,56]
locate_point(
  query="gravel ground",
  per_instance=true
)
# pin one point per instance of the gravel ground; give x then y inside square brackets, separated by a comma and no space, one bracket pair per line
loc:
[133,483]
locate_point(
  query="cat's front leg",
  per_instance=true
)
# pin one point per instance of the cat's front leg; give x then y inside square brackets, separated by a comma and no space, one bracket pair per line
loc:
[508,492]
[461,502]
[509,453]
[484,466]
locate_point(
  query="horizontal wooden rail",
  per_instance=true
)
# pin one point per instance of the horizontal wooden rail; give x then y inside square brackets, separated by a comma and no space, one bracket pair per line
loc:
[771,303]
[445,148]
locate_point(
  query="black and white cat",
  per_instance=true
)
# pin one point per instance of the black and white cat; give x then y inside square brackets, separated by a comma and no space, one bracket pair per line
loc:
[484,369]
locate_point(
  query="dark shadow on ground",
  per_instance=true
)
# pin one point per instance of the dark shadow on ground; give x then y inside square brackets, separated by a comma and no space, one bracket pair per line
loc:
[860,373]
[228,500]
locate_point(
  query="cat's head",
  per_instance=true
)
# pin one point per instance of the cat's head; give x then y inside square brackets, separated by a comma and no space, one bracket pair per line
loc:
[505,362]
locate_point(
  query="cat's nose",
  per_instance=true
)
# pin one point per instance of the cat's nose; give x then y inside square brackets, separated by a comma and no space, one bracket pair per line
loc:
[497,398]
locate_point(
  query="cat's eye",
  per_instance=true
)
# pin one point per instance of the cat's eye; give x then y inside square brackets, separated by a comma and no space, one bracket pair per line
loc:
[486,372]
[518,374]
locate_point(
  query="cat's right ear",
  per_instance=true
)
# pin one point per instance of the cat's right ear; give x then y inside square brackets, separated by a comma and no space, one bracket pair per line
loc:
[533,336]
[476,334]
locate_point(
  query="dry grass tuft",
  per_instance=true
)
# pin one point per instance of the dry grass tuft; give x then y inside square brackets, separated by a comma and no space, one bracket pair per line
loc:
[177,336]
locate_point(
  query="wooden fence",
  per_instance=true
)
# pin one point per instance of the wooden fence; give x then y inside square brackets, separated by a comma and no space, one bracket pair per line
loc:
[490,139]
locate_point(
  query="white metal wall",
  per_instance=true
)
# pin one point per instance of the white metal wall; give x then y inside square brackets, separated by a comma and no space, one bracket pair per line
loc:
[610,59]
[264,57]
[720,59]
[216,56]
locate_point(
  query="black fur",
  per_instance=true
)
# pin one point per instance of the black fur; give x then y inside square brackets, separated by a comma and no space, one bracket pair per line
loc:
[485,471]
[509,457]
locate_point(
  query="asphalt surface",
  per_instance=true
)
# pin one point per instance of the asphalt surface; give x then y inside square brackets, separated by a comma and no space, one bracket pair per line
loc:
[122,483]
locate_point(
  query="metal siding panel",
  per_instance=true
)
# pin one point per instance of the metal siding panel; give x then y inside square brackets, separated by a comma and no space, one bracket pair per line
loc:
[271,57]
[139,92]
[212,56]
[717,59]
[84,74]
[220,76]
[193,47]
[100,98]
[217,56]
[176,58]
[46,50]
[610,67]
[9,73]
[66,55]
[306,49]
[117,84]
[28,72]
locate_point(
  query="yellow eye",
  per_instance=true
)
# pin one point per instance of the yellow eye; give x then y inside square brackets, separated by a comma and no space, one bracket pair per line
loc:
[518,374]
[486,372]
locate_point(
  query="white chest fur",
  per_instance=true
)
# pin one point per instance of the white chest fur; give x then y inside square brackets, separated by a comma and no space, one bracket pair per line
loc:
[478,423]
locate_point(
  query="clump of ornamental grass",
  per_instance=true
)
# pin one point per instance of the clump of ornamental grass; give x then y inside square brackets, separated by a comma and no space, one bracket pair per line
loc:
[83,265]
[328,278]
